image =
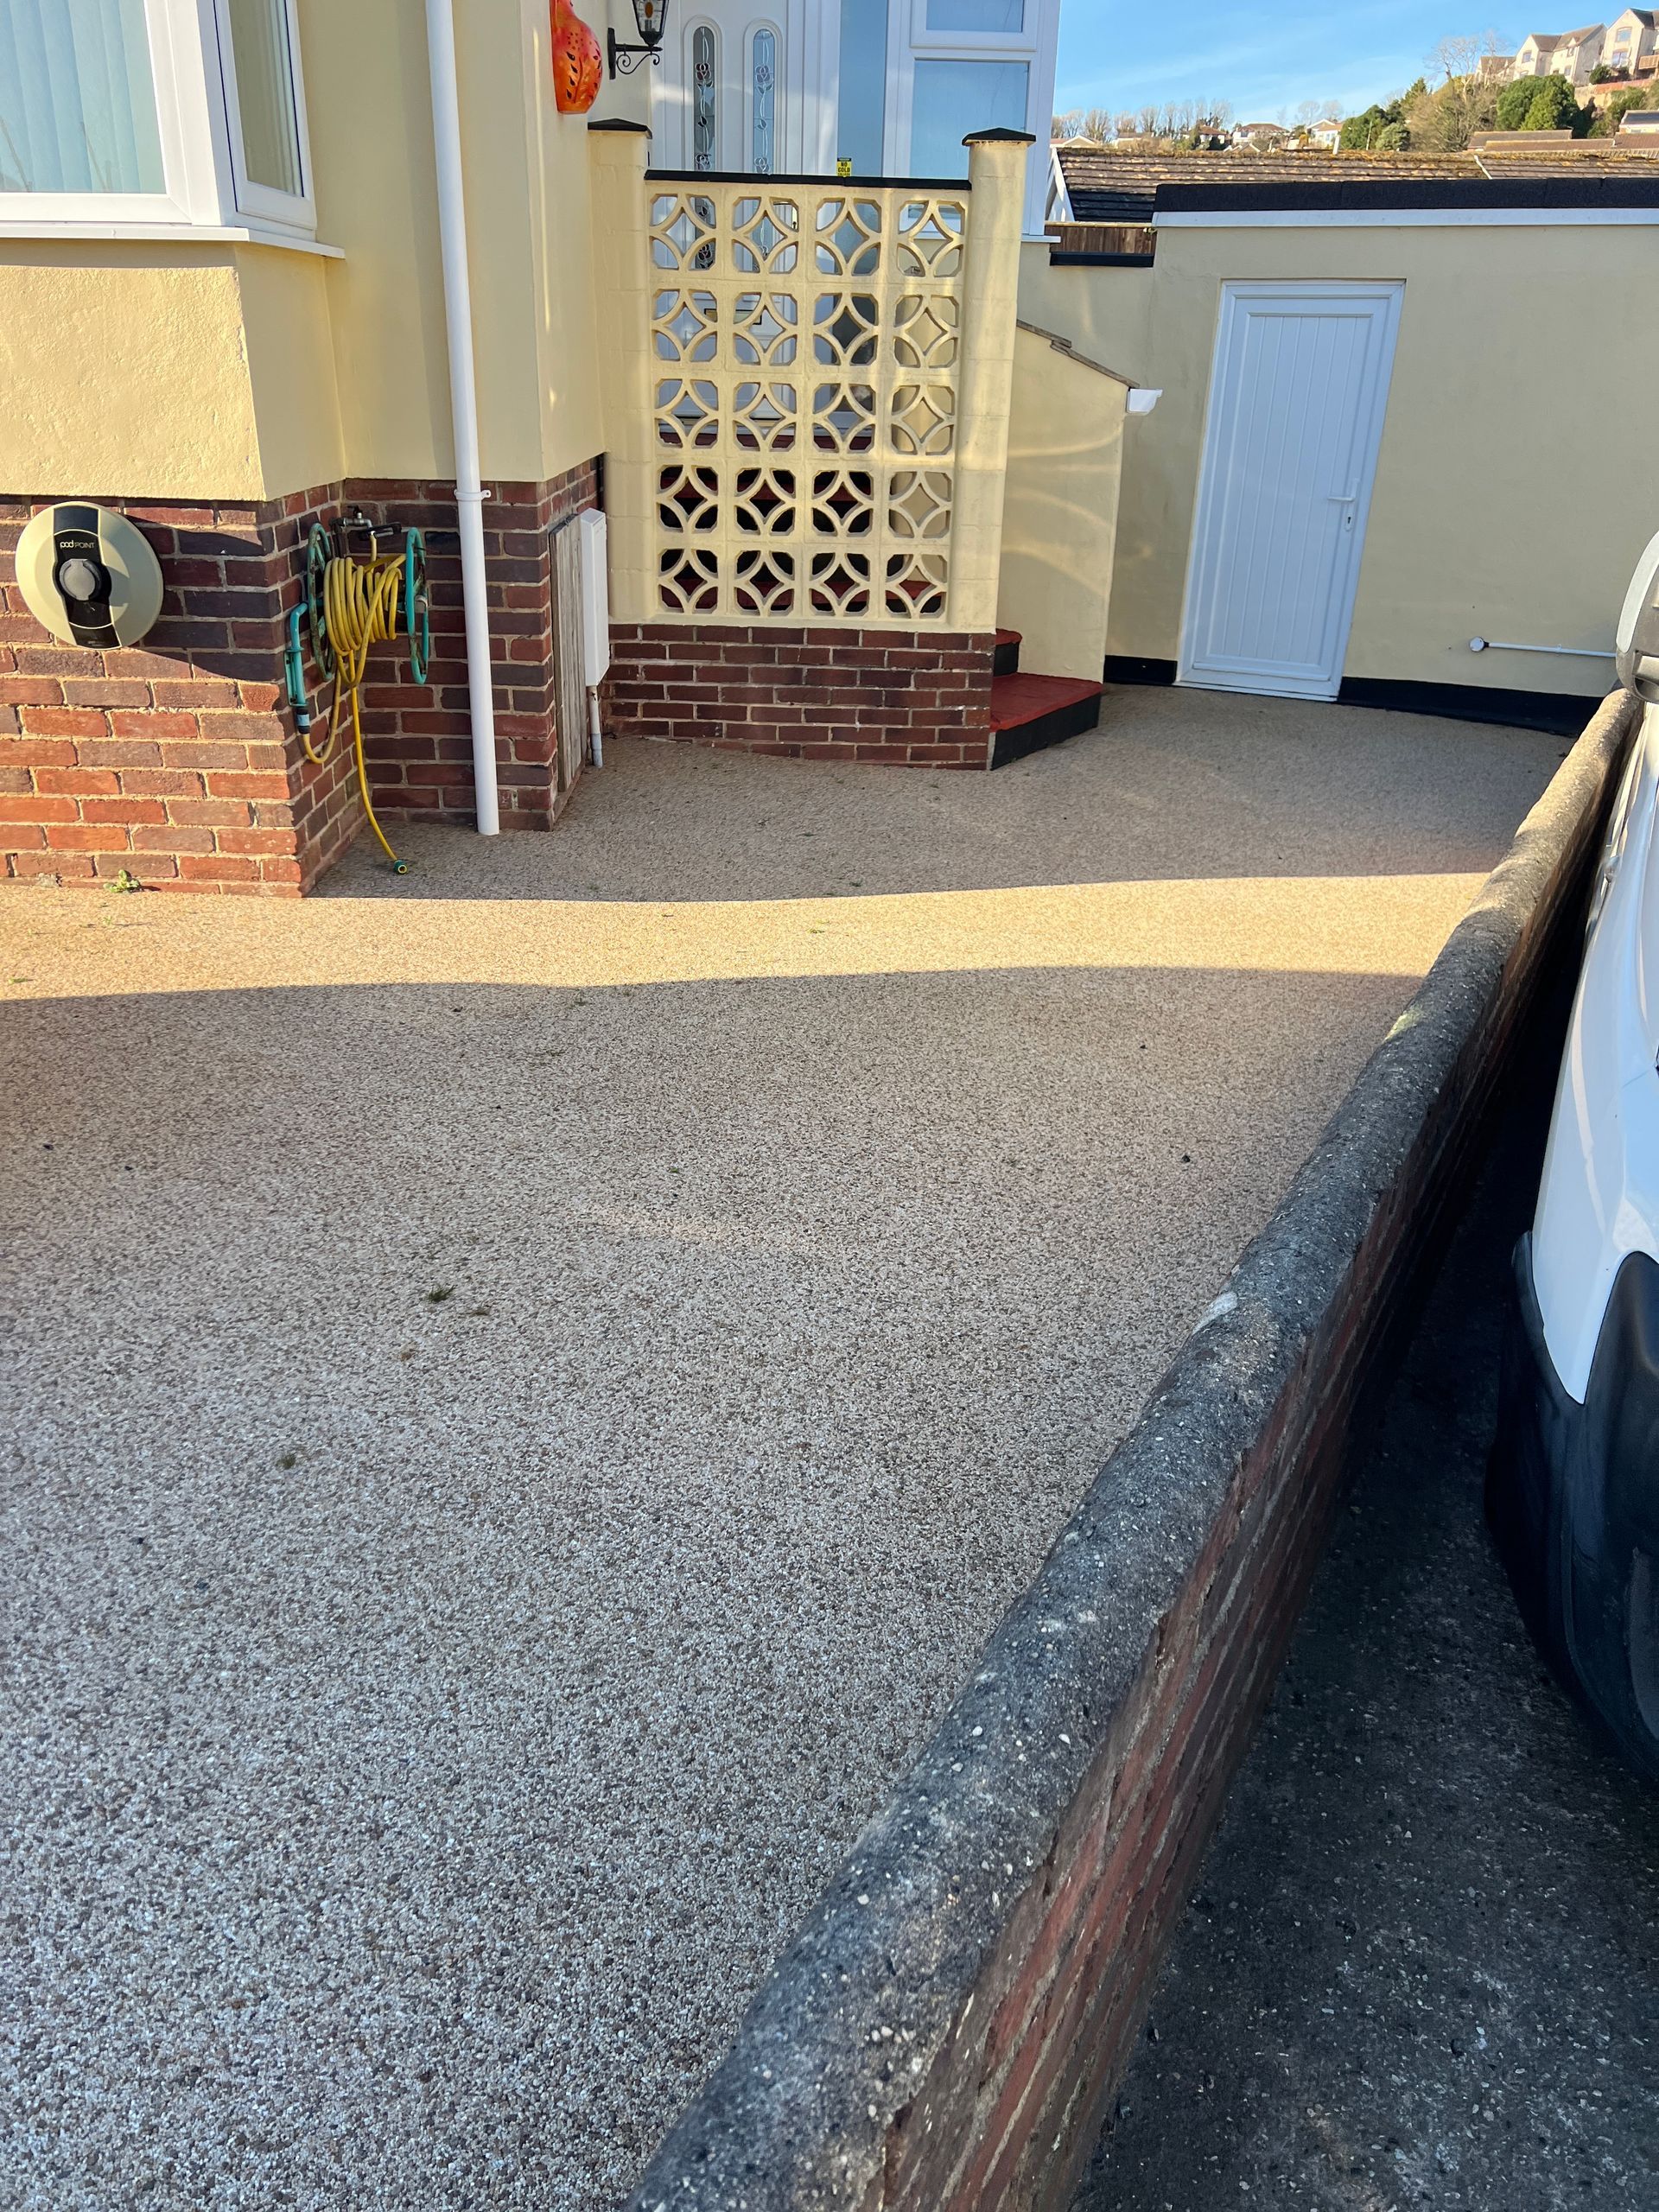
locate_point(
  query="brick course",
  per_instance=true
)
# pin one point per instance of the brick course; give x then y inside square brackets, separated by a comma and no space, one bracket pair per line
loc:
[907,698]
[177,760]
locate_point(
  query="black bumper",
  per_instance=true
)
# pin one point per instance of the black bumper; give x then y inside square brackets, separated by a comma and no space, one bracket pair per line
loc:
[1572,1499]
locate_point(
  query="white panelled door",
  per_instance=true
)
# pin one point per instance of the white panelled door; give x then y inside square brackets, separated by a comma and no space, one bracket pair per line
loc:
[1297,397]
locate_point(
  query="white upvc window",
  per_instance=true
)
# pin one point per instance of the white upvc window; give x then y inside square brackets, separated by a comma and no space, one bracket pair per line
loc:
[959,66]
[133,115]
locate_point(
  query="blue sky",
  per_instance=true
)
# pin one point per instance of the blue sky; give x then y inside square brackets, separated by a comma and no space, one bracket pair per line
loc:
[1115,54]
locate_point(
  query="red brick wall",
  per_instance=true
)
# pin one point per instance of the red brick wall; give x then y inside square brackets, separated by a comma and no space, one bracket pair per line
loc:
[417,741]
[177,760]
[891,695]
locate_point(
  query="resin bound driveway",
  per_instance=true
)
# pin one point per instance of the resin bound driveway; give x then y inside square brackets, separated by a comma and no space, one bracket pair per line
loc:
[528,1385]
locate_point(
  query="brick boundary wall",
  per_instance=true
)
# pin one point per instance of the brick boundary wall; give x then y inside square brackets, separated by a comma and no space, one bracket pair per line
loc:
[899,697]
[177,759]
[946,2029]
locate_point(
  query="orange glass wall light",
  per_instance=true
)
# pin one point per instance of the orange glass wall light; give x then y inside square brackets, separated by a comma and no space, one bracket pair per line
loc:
[576,62]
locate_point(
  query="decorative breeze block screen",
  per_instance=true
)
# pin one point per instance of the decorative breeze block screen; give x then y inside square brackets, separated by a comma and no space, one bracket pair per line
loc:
[805,349]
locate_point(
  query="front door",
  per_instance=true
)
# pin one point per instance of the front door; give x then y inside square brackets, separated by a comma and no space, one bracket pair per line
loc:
[736,90]
[1297,397]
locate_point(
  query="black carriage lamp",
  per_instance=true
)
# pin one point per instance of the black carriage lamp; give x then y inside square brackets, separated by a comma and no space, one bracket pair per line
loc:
[652,17]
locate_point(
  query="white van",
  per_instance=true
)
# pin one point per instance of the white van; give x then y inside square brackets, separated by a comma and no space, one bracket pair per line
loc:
[1572,1492]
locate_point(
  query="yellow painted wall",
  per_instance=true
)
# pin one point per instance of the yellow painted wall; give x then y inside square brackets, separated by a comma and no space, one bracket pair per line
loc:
[1518,350]
[526,178]
[216,371]
[1059,508]
[124,373]
[289,345]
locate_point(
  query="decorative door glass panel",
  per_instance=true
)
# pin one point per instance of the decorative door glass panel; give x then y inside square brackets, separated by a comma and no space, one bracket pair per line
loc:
[953,98]
[703,95]
[763,69]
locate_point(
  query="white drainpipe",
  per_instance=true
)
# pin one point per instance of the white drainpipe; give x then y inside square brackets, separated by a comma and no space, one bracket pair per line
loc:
[463,404]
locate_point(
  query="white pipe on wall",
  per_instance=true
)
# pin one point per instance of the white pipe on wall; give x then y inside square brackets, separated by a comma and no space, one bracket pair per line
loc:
[463,405]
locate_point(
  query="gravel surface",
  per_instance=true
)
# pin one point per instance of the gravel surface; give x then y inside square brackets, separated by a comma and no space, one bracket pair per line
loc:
[1423,1964]
[528,1384]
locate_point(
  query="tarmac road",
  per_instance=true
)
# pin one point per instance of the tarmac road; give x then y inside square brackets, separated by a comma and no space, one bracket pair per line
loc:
[1422,1963]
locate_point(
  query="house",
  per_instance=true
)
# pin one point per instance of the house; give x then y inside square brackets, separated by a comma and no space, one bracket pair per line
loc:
[890,88]
[1572,54]
[1328,135]
[294,291]
[426,416]
[1495,68]
[1261,136]
[1640,124]
[1390,488]
[1633,39]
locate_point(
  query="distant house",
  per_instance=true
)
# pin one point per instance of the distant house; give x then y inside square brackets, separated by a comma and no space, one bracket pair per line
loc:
[1633,39]
[1572,54]
[1261,136]
[1497,68]
[1642,123]
[1326,136]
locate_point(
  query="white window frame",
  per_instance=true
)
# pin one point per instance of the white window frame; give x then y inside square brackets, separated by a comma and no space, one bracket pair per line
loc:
[262,203]
[200,130]
[910,41]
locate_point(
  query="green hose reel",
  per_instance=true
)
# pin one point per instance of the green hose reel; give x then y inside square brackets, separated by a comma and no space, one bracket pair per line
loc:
[309,621]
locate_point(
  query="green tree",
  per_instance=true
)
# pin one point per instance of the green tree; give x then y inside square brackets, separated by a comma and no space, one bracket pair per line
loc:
[1541,104]
[1556,108]
[1361,132]
[1611,111]
[1394,140]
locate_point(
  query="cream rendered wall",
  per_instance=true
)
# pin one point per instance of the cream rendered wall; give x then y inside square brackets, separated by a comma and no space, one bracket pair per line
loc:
[213,370]
[526,178]
[289,340]
[1501,329]
[124,373]
[1059,507]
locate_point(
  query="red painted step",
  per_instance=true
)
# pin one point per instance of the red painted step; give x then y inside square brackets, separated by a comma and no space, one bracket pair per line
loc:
[1028,712]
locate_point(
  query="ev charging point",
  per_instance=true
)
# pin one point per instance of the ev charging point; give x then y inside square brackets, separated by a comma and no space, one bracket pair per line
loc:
[89,575]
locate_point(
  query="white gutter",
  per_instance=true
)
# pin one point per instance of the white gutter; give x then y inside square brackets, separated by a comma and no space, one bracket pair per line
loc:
[463,406]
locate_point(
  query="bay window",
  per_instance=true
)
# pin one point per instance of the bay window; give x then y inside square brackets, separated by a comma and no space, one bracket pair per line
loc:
[153,114]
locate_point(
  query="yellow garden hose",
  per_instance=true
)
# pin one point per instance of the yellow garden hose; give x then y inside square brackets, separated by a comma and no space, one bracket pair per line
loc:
[362,602]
